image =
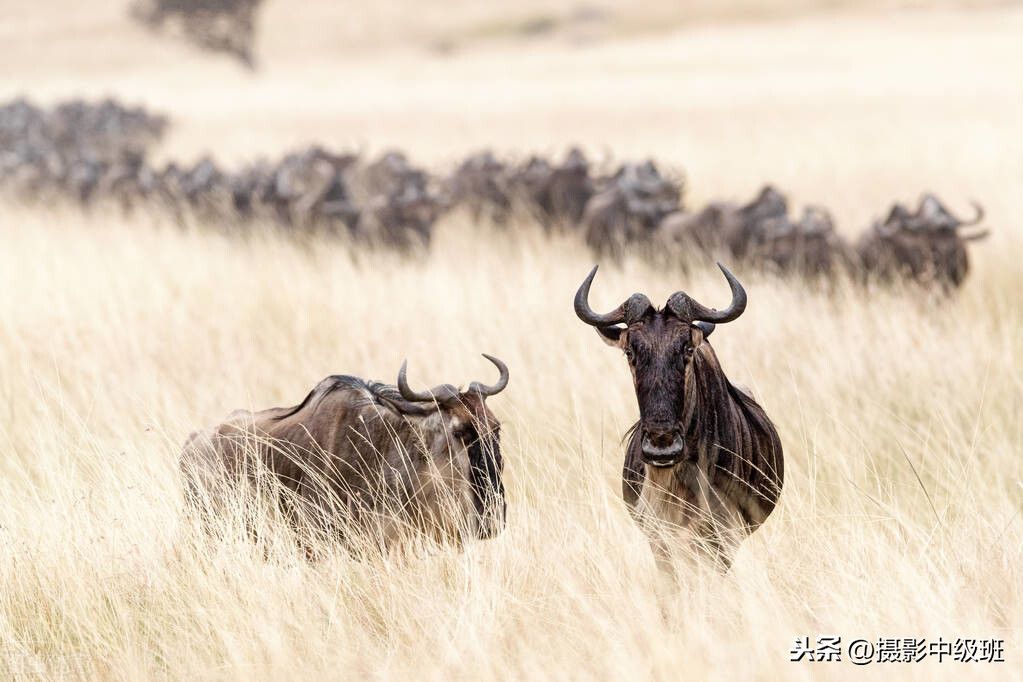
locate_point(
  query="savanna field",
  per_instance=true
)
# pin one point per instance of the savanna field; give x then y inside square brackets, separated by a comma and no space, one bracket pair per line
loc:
[900,412]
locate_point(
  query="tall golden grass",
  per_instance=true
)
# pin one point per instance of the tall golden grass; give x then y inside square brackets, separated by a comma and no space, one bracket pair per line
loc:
[900,419]
[900,414]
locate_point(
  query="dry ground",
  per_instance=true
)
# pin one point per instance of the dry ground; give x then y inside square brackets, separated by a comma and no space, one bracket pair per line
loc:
[900,416]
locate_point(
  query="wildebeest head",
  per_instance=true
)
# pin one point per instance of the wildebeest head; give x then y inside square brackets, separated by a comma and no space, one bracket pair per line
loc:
[663,348]
[472,431]
[929,243]
[649,193]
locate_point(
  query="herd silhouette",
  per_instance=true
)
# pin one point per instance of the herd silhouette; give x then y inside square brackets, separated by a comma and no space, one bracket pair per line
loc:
[99,153]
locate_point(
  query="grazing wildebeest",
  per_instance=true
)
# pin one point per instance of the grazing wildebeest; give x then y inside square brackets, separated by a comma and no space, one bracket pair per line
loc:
[925,246]
[704,462]
[358,457]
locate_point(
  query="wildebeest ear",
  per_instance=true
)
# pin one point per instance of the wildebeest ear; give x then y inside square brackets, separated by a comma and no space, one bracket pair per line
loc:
[695,336]
[700,331]
[612,336]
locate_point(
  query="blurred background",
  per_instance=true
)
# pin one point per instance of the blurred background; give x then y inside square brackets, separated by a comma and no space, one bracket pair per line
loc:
[849,104]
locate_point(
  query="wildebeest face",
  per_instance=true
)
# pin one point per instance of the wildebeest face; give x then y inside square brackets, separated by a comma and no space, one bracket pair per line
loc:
[472,437]
[478,431]
[659,349]
[660,346]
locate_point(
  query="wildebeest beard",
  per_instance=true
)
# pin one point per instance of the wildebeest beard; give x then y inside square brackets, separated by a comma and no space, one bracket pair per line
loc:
[488,498]
[482,440]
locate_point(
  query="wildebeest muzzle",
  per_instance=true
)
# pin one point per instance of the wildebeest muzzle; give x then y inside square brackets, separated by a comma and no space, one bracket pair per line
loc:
[662,448]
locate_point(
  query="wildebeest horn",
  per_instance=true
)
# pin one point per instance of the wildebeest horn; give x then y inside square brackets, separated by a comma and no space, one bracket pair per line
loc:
[686,308]
[441,394]
[627,312]
[477,387]
[978,216]
[974,236]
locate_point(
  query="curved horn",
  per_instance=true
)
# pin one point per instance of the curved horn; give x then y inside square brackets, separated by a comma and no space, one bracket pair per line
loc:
[974,236]
[978,216]
[502,382]
[440,394]
[734,309]
[632,309]
[406,392]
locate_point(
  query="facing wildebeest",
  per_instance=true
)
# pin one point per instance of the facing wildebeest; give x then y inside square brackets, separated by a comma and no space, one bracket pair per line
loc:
[703,462]
[361,457]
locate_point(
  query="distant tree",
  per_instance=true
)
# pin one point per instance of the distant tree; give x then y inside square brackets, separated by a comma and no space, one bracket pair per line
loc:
[226,26]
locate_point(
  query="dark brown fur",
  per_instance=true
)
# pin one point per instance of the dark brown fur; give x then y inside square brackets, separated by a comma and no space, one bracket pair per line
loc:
[927,247]
[704,462]
[355,455]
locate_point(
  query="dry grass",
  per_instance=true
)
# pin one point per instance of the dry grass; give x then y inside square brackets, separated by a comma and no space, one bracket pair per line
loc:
[901,417]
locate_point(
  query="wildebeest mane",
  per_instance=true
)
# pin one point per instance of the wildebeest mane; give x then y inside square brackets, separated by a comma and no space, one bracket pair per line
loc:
[722,408]
[372,392]
[632,472]
[736,431]
[487,487]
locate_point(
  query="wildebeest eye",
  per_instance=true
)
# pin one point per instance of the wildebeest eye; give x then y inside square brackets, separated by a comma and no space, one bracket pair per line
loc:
[630,354]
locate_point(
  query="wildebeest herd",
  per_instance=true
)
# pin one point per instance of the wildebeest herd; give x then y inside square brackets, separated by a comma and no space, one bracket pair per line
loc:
[703,465]
[98,153]
[358,459]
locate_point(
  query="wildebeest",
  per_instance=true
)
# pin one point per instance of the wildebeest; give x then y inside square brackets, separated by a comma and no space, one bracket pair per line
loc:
[629,208]
[926,246]
[761,233]
[554,194]
[307,188]
[97,155]
[704,462]
[809,246]
[481,184]
[398,205]
[359,458]
[727,227]
[712,229]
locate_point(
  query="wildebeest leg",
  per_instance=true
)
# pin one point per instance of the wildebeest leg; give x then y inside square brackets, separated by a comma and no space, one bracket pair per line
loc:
[719,530]
[672,548]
